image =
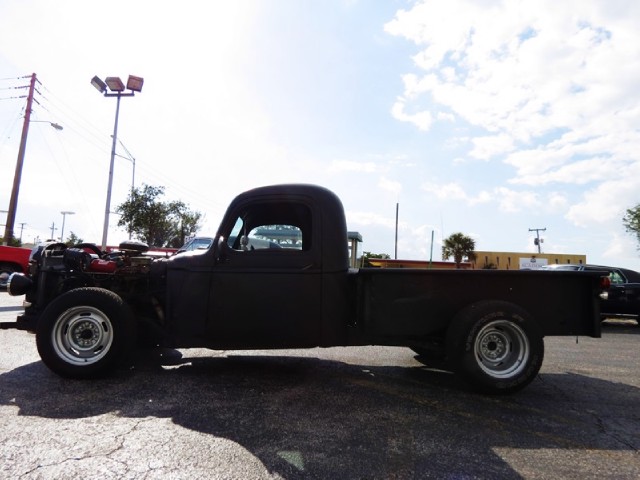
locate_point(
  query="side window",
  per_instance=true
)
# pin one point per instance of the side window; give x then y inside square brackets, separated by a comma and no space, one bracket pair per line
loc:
[272,226]
[275,236]
[616,278]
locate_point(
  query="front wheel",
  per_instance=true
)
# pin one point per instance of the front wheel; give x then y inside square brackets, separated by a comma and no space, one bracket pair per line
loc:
[495,346]
[85,333]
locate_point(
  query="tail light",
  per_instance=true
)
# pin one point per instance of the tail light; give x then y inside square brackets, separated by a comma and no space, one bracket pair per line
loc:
[605,284]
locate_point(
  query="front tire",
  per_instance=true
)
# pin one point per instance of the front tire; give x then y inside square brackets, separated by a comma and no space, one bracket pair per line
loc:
[85,333]
[495,346]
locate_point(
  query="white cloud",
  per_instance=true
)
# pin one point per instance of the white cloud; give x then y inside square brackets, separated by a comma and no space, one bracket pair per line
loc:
[513,201]
[390,185]
[448,191]
[339,166]
[422,120]
[446,117]
[557,202]
[356,219]
[453,191]
[621,250]
[605,203]
[524,69]
[488,147]
[508,200]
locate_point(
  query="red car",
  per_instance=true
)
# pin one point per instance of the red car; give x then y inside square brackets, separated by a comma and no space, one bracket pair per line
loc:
[12,259]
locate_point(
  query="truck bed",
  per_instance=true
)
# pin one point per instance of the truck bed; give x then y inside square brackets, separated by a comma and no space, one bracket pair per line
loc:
[415,302]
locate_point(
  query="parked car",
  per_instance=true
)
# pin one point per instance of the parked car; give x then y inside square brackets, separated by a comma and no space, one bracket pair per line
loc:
[248,242]
[196,243]
[623,299]
[12,259]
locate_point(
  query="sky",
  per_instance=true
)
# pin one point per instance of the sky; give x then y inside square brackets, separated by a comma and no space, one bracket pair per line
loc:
[490,118]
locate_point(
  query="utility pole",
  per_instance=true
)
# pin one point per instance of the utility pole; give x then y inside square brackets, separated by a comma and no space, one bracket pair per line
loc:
[21,230]
[64,216]
[537,241]
[13,203]
[396,243]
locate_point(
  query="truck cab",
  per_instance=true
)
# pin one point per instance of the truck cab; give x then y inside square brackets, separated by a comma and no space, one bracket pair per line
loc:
[275,275]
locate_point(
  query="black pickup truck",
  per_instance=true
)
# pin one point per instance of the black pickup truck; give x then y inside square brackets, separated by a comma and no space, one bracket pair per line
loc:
[294,289]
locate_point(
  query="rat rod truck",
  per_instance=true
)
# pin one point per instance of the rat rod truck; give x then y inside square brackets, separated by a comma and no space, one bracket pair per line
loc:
[296,290]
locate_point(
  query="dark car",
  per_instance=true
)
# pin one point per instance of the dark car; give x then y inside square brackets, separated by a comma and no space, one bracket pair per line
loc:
[623,299]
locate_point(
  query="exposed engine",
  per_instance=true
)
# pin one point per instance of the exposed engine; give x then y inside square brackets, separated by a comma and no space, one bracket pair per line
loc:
[130,271]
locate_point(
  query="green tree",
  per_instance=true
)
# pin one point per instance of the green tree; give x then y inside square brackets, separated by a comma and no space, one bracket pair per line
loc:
[186,223]
[631,221]
[72,240]
[15,242]
[157,223]
[460,247]
[367,255]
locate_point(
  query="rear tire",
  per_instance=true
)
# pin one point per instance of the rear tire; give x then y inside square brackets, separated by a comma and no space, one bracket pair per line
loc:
[496,346]
[85,333]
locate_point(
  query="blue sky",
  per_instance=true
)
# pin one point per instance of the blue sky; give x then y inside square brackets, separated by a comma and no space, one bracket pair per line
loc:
[485,117]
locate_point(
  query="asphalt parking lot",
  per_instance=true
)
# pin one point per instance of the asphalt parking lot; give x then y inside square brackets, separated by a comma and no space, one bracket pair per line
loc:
[355,413]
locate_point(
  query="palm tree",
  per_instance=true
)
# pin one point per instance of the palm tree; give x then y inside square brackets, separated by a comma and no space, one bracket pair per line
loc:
[459,246]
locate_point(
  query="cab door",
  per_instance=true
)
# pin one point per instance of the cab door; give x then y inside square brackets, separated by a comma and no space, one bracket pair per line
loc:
[266,289]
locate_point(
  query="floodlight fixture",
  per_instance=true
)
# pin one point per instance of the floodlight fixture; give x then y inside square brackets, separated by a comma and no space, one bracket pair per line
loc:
[99,84]
[135,83]
[114,84]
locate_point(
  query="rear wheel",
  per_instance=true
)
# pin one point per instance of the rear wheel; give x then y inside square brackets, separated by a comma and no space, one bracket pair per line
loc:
[85,333]
[495,346]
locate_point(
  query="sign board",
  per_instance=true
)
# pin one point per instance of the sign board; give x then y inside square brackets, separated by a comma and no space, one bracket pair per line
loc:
[532,263]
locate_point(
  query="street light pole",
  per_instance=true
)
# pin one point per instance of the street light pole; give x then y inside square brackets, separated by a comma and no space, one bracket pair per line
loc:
[115,85]
[107,208]
[64,216]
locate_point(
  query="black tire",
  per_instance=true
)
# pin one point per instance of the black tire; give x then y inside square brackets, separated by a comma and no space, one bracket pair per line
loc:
[85,333]
[495,346]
